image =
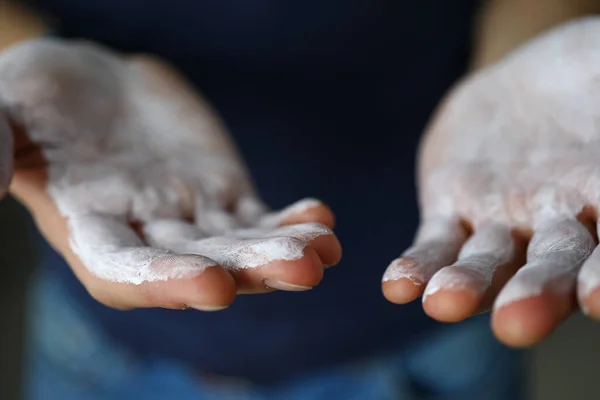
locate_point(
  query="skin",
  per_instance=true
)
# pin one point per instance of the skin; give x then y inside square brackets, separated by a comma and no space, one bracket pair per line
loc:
[459,229]
[508,168]
[187,172]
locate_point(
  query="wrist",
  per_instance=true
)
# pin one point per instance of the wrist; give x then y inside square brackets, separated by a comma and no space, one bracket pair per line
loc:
[18,23]
[505,25]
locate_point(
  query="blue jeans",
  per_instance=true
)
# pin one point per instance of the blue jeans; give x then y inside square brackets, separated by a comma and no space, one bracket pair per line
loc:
[69,357]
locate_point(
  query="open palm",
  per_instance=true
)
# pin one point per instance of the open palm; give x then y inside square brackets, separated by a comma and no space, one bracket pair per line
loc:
[132,177]
[510,188]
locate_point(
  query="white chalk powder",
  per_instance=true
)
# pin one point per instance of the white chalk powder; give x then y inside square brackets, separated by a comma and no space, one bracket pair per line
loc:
[517,146]
[126,141]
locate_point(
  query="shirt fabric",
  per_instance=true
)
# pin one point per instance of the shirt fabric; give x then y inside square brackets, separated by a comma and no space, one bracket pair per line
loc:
[325,99]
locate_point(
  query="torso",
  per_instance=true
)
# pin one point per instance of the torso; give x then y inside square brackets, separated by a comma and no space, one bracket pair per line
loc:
[323,100]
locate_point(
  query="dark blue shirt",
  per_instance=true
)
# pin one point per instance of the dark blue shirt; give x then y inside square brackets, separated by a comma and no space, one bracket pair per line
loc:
[324,98]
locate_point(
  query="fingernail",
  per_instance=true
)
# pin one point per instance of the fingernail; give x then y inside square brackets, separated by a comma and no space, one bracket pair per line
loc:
[208,308]
[274,284]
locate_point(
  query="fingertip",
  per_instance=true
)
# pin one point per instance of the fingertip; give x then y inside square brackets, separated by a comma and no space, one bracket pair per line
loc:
[214,288]
[590,304]
[402,291]
[452,305]
[328,248]
[305,272]
[289,275]
[526,322]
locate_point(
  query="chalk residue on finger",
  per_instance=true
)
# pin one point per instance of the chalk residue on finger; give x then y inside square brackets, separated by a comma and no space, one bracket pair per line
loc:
[556,252]
[437,244]
[239,249]
[405,267]
[235,253]
[306,231]
[488,249]
[111,250]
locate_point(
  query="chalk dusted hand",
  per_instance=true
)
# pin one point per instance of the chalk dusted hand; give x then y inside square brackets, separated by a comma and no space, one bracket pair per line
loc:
[509,192]
[132,178]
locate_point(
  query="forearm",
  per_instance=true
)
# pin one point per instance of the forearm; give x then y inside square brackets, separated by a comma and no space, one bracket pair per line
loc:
[18,23]
[504,25]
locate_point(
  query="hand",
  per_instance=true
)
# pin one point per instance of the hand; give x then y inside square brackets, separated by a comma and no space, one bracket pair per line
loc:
[132,178]
[509,190]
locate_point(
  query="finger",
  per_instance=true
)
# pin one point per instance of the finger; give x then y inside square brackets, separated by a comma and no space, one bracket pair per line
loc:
[588,285]
[257,257]
[213,290]
[162,279]
[307,210]
[437,245]
[179,235]
[485,263]
[541,294]
[210,290]
[293,276]
[113,252]
[318,236]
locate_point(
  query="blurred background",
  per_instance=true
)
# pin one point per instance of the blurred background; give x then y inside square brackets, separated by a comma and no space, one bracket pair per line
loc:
[565,366]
